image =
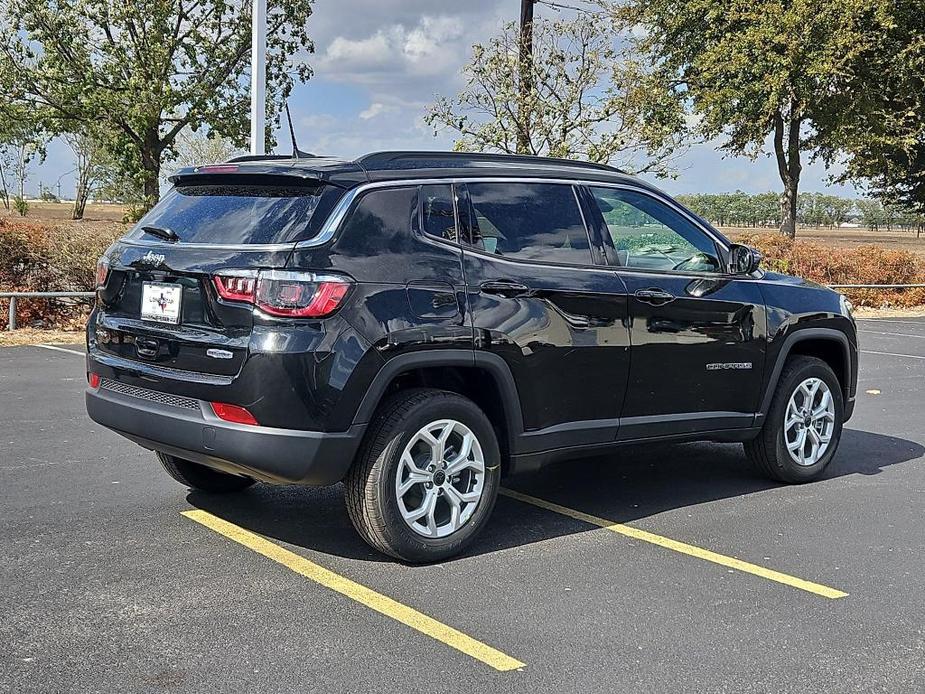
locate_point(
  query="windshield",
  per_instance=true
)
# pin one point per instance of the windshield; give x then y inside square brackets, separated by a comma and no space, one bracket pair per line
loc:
[232,214]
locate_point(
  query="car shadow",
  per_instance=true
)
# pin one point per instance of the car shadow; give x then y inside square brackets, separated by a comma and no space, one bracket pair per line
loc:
[632,483]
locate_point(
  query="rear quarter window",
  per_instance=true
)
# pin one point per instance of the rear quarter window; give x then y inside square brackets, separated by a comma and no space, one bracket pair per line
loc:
[233,214]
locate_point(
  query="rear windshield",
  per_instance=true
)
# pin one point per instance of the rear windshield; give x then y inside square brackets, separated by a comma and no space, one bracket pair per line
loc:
[233,214]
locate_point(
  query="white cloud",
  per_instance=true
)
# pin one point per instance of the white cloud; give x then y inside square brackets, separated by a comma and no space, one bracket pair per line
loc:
[376,108]
[434,46]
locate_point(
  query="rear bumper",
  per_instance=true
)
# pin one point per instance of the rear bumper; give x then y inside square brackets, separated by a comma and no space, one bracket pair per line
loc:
[286,456]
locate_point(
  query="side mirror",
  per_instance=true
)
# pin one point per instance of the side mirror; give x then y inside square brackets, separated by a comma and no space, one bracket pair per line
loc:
[743,260]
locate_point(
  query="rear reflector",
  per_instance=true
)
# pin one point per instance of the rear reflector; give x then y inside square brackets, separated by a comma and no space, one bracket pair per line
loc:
[285,293]
[102,271]
[94,380]
[233,413]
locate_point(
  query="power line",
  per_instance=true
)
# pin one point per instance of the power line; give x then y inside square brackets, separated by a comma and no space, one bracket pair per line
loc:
[559,6]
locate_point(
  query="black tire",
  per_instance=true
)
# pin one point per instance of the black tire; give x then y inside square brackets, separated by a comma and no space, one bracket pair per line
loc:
[370,485]
[768,451]
[203,478]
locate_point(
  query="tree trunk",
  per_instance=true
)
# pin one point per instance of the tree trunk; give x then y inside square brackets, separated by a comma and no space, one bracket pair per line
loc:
[526,76]
[151,168]
[80,198]
[4,190]
[787,153]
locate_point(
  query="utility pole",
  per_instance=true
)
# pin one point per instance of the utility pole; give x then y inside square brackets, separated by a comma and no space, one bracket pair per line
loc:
[526,75]
[258,76]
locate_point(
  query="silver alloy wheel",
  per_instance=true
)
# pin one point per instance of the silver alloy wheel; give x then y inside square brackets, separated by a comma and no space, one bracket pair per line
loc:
[809,421]
[440,478]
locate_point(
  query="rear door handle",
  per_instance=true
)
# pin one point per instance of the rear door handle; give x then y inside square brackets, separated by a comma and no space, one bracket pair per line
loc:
[504,288]
[654,296]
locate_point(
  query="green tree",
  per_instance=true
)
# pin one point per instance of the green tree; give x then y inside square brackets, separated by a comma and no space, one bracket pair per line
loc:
[584,99]
[754,70]
[882,133]
[90,161]
[23,138]
[143,72]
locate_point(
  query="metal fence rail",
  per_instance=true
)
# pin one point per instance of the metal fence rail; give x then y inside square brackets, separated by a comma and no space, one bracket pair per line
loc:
[15,296]
[874,286]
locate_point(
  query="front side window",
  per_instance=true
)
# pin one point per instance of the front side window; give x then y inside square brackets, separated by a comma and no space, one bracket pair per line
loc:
[438,217]
[528,221]
[648,234]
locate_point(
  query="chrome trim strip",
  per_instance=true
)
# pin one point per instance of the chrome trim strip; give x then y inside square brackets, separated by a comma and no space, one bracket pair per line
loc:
[336,216]
[269,247]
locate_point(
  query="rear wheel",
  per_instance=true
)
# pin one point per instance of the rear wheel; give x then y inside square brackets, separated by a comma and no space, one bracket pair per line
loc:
[200,477]
[426,480]
[803,425]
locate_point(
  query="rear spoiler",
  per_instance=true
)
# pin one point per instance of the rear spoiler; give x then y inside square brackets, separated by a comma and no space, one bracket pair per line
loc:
[266,171]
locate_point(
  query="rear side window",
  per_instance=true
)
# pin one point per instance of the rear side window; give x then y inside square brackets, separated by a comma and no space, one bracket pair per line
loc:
[438,216]
[233,214]
[528,221]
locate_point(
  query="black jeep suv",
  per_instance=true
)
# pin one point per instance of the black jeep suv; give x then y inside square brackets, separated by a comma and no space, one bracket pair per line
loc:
[418,324]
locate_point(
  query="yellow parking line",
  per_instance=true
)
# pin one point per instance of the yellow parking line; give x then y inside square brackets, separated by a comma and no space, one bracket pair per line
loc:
[361,594]
[681,547]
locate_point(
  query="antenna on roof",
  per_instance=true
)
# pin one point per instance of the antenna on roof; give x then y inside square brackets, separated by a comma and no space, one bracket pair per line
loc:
[296,152]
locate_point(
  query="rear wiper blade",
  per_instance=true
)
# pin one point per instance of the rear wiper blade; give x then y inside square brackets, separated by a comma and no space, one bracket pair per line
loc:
[161,232]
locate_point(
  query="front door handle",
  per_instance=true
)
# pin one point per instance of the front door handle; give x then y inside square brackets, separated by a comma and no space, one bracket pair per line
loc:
[654,296]
[506,288]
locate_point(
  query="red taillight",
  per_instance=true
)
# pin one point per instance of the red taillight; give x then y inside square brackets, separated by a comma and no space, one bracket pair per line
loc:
[285,293]
[233,413]
[94,380]
[102,271]
[235,288]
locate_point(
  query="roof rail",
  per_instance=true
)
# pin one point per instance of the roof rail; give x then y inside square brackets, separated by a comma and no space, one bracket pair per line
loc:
[436,159]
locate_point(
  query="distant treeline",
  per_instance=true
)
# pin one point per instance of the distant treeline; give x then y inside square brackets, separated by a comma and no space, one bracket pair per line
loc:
[813,209]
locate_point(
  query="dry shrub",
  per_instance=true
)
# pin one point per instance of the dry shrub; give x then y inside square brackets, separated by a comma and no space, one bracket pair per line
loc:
[42,257]
[866,264]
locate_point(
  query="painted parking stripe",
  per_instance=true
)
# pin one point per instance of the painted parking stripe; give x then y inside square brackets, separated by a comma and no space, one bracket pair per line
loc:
[879,332]
[360,593]
[682,547]
[61,349]
[893,354]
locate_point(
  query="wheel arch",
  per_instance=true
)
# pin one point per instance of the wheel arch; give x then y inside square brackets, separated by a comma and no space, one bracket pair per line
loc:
[828,344]
[482,377]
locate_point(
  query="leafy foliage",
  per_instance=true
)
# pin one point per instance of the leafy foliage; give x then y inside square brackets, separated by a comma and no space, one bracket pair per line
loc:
[144,72]
[36,256]
[813,209]
[754,69]
[882,133]
[584,99]
[863,265]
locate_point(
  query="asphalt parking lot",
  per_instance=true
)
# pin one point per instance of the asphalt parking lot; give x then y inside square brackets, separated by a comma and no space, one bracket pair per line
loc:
[670,568]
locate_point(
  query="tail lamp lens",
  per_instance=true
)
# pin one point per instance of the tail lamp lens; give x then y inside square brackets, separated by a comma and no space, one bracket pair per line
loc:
[102,271]
[285,293]
[235,288]
[233,413]
[93,379]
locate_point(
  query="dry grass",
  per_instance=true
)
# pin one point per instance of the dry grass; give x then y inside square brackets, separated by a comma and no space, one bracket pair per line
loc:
[58,211]
[34,336]
[847,238]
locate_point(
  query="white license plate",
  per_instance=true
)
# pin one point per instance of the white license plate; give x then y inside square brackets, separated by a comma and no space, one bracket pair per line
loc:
[161,302]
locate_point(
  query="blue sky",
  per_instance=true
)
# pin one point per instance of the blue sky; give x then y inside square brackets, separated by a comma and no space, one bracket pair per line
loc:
[379,63]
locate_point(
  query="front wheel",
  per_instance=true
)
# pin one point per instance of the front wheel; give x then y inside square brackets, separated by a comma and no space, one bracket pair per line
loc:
[426,480]
[803,425]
